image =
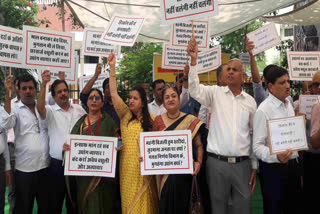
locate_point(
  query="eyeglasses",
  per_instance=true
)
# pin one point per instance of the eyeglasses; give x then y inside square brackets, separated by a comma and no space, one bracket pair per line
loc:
[94,97]
[316,84]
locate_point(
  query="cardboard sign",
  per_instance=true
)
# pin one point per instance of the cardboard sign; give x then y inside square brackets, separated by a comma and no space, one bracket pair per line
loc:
[305,104]
[264,38]
[186,10]
[209,60]
[93,46]
[181,33]
[97,84]
[303,65]
[11,45]
[122,30]
[91,156]
[173,57]
[166,152]
[245,58]
[287,133]
[48,49]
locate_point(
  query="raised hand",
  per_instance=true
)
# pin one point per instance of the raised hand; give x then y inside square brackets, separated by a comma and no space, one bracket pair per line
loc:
[192,51]
[45,77]
[249,46]
[112,60]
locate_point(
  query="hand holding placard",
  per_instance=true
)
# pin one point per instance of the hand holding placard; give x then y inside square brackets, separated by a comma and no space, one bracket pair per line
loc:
[8,85]
[192,51]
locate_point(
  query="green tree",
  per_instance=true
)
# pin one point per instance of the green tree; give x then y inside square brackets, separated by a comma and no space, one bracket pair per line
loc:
[286,45]
[136,65]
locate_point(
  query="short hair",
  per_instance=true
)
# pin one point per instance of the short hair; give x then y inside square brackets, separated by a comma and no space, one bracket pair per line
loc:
[16,79]
[154,83]
[173,86]
[274,73]
[105,82]
[27,78]
[243,66]
[266,70]
[179,76]
[55,84]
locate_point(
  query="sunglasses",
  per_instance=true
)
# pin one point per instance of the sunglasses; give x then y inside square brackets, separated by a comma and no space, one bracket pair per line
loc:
[94,98]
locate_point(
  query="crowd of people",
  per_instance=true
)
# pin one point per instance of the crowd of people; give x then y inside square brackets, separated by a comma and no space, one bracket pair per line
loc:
[229,140]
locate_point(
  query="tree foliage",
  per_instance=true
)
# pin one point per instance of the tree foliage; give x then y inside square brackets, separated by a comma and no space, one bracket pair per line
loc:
[286,45]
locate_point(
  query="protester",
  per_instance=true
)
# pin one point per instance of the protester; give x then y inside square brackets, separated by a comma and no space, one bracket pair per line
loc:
[5,172]
[94,194]
[229,140]
[138,193]
[280,176]
[156,106]
[174,190]
[31,147]
[107,105]
[60,118]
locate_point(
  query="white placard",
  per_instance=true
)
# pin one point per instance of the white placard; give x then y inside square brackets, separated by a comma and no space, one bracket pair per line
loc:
[166,152]
[303,65]
[11,47]
[173,57]
[287,133]
[209,60]
[245,58]
[122,30]
[48,48]
[306,102]
[97,84]
[264,38]
[93,46]
[91,156]
[181,33]
[186,10]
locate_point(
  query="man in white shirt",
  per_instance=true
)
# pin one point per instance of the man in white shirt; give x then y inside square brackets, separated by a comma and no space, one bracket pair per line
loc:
[231,168]
[279,174]
[156,106]
[31,147]
[60,118]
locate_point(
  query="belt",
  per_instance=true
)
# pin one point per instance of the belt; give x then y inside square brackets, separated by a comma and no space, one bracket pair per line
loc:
[228,159]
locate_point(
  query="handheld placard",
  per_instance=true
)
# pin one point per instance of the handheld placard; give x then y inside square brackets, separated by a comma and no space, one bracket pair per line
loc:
[10,75]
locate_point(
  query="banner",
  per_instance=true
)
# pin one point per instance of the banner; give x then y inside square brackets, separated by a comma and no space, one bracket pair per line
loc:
[97,84]
[167,152]
[264,38]
[287,133]
[245,57]
[209,60]
[122,30]
[181,33]
[93,46]
[306,102]
[186,10]
[91,156]
[11,45]
[303,65]
[48,48]
[173,57]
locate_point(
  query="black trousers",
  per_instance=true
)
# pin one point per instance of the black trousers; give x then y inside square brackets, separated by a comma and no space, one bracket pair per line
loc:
[57,188]
[30,186]
[281,187]
[2,183]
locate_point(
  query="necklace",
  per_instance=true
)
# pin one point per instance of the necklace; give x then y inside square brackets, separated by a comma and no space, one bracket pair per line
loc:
[173,118]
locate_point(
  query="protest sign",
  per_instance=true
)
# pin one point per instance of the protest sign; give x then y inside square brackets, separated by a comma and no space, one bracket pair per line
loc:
[97,84]
[303,65]
[306,102]
[209,60]
[93,46]
[245,57]
[122,30]
[287,133]
[264,38]
[181,33]
[186,10]
[47,48]
[167,152]
[173,57]
[91,156]
[11,45]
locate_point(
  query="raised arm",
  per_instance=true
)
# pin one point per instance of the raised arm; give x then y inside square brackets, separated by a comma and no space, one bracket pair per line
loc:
[41,102]
[89,85]
[116,99]
[8,87]
[254,68]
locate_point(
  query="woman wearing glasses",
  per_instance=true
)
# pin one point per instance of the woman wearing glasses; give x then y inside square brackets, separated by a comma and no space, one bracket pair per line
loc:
[138,193]
[174,190]
[93,194]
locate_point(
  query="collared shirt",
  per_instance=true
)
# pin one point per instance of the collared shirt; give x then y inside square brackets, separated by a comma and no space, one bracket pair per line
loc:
[106,107]
[4,150]
[230,131]
[188,105]
[60,124]
[31,137]
[156,110]
[271,108]
[205,115]
[10,132]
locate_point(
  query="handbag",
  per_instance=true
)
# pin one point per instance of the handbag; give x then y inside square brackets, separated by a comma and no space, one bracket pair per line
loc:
[195,200]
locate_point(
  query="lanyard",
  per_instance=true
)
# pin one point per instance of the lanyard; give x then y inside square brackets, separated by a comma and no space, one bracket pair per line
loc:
[98,126]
